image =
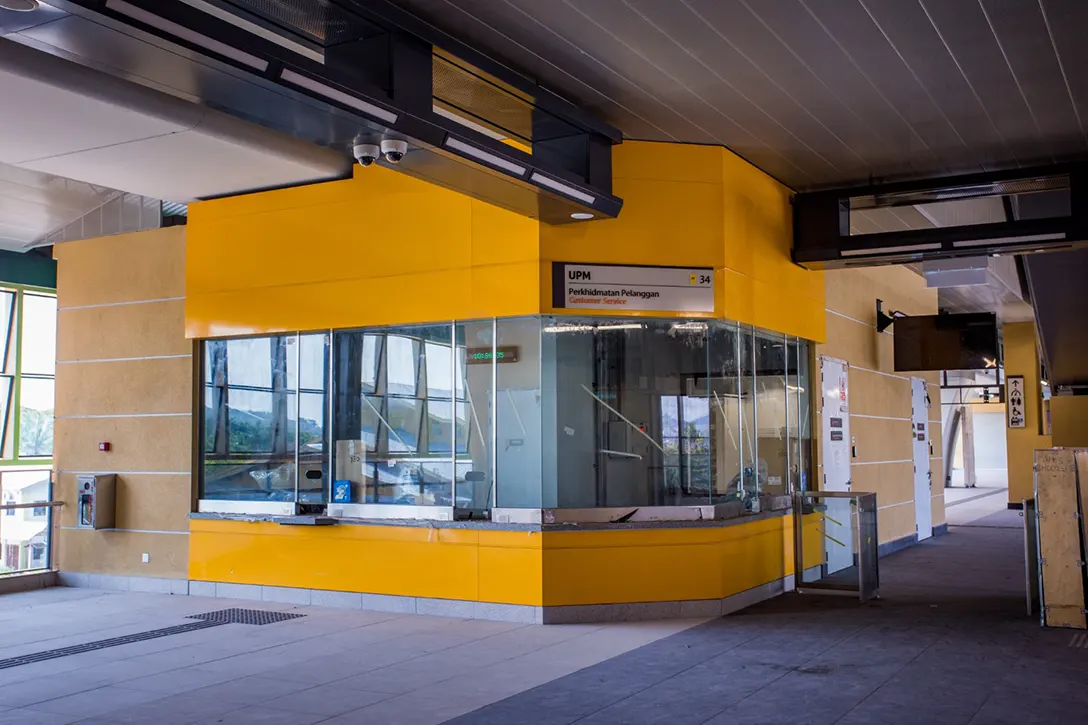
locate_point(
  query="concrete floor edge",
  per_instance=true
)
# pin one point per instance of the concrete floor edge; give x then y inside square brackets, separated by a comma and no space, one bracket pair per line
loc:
[461,609]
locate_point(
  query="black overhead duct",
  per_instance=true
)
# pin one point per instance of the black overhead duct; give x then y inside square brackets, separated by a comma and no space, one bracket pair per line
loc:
[1059,296]
[341,72]
[966,216]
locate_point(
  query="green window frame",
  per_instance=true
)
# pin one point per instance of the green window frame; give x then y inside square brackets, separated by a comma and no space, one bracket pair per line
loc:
[27,382]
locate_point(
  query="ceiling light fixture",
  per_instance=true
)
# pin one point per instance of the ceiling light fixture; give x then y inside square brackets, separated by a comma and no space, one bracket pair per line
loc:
[561,188]
[581,215]
[334,94]
[481,155]
[19,6]
[253,28]
[183,33]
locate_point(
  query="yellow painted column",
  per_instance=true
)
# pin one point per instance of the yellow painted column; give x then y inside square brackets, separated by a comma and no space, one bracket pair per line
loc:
[1022,358]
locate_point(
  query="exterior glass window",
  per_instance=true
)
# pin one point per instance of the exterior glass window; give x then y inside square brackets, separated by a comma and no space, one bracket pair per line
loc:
[520,413]
[402,424]
[28,340]
[264,421]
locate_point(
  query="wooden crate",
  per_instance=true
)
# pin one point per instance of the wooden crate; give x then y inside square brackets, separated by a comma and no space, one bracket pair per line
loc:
[1057,495]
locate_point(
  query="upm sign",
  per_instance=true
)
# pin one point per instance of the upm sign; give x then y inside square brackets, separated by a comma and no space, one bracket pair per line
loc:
[619,288]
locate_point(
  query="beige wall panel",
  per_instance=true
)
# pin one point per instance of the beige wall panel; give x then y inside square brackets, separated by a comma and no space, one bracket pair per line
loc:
[939,516]
[156,502]
[146,265]
[936,470]
[137,444]
[125,387]
[858,344]
[854,292]
[876,394]
[891,482]
[119,331]
[896,522]
[879,439]
[119,552]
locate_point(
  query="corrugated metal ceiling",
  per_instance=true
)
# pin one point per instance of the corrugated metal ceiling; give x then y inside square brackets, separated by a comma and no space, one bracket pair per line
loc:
[816,92]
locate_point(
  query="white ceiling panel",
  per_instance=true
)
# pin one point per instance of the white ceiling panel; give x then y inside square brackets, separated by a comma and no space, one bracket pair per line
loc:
[33,204]
[221,156]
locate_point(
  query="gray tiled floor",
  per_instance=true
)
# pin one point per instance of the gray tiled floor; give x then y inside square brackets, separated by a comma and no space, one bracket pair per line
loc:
[331,666]
[949,642]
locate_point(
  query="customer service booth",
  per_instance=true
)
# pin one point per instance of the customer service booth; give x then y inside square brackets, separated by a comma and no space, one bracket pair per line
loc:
[453,409]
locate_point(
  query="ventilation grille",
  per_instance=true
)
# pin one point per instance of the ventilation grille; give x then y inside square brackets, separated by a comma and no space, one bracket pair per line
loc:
[245,616]
[316,20]
[104,643]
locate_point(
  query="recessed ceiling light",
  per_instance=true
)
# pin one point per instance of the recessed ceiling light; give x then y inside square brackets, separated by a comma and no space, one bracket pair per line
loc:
[581,215]
[19,6]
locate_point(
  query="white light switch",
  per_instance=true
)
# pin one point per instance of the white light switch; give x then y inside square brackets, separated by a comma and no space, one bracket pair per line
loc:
[145,557]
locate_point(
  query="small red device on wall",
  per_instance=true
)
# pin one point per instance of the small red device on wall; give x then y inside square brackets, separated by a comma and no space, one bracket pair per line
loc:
[104,446]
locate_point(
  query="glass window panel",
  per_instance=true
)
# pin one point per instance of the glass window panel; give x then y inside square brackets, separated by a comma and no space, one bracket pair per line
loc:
[771,413]
[24,534]
[439,426]
[371,352]
[611,377]
[748,486]
[725,408]
[7,417]
[251,362]
[313,479]
[7,331]
[439,370]
[401,364]
[404,416]
[803,384]
[474,415]
[36,418]
[519,416]
[250,419]
[39,342]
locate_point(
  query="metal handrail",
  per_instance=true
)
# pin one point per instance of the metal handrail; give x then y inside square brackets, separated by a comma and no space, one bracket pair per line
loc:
[32,505]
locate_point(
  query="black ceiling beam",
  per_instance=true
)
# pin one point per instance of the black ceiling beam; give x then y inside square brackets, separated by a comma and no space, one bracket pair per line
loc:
[384,79]
[821,223]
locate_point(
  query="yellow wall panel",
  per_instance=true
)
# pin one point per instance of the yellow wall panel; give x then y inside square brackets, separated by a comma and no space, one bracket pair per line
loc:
[663,222]
[162,385]
[130,330]
[398,560]
[120,552]
[499,237]
[596,567]
[149,502]
[137,444]
[121,268]
[511,567]
[1021,357]
[1069,420]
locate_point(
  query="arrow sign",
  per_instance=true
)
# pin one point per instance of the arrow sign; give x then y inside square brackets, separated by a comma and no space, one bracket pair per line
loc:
[1014,385]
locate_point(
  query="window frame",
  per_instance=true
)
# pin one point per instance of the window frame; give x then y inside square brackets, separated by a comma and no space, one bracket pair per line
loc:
[11,423]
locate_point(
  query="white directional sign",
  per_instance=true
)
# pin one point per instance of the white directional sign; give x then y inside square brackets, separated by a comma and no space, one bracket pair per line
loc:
[616,288]
[1015,400]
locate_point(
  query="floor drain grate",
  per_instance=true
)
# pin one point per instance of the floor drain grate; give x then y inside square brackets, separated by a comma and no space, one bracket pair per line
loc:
[245,616]
[1079,641]
[104,643]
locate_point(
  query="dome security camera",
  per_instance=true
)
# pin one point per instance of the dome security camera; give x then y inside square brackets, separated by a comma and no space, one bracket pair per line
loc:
[366,153]
[394,150]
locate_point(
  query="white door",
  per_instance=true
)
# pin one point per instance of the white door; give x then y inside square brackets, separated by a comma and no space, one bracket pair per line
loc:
[923,502]
[835,453]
